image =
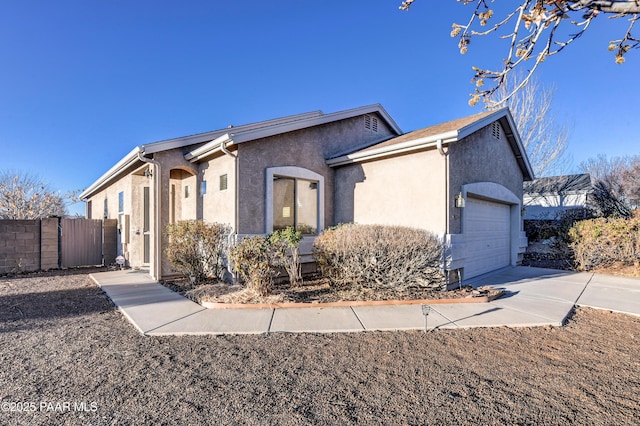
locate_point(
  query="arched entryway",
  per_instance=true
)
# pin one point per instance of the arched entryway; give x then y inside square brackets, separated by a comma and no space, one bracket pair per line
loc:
[183,195]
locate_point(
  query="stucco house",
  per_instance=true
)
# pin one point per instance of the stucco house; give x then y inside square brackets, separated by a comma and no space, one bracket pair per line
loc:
[548,197]
[461,179]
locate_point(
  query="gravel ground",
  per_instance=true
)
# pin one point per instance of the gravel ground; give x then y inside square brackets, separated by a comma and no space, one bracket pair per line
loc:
[68,357]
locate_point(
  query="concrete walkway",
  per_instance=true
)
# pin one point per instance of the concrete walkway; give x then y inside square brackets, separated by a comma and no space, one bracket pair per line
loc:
[534,297]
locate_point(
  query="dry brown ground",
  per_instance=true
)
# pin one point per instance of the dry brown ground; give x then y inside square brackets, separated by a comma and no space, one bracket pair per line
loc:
[316,290]
[61,341]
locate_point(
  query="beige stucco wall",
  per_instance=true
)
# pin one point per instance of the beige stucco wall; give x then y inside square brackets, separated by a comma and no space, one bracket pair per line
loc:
[481,158]
[306,148]
[219,205]
[131,236]
[407,190]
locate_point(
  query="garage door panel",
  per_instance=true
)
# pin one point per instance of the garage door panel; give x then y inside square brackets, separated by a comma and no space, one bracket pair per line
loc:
[487,236]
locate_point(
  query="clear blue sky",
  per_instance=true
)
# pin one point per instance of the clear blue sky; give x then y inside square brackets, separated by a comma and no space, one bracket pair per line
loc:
[84,82]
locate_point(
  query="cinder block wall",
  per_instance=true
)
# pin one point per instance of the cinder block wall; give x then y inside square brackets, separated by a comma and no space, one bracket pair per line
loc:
[19,245]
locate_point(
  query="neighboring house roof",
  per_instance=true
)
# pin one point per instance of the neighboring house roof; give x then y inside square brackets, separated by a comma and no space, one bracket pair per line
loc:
[568,184]
[439,135]
[212,142]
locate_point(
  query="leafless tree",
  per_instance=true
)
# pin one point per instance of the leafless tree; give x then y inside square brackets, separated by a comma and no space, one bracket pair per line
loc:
[619,175]
[536,30]
[23,196]
[543,136]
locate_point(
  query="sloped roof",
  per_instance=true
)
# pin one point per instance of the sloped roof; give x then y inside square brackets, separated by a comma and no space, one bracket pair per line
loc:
[441,134]
[438,129]
[239,135]
[210,142]
[559,184]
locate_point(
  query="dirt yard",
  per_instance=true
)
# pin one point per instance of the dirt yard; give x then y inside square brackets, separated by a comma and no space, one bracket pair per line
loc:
[68,357]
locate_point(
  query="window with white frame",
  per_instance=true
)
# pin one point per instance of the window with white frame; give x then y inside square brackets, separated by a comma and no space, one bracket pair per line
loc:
[294,197]
[295,203]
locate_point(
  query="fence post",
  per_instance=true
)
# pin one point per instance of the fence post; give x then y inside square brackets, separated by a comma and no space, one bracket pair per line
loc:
[49,244]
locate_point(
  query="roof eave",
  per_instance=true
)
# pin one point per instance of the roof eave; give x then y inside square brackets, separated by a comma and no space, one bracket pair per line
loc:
[209,148]
[513,136]
[291,126]
[401,148]
[126,162]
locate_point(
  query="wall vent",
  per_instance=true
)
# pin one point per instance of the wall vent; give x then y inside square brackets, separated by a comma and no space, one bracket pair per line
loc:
[496,130]
[371,123]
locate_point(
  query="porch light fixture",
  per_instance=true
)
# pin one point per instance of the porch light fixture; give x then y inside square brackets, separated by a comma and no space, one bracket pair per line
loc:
[148,173]
[460,201]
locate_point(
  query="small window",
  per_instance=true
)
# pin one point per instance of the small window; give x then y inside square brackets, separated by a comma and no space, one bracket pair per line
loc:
[187,191]
[120,202]
[223,182]
[203,187]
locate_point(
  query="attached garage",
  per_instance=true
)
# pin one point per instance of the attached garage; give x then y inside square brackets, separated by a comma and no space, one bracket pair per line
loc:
[487,230]
[461,180]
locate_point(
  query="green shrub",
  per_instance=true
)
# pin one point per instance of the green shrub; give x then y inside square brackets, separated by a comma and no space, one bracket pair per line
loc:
[196,249]
[603,242]
[251,257]
[379,256]
[285,252]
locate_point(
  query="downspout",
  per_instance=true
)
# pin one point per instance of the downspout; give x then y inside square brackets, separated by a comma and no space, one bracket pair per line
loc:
[236,219]
[446,203]
[157,272]
[446,184]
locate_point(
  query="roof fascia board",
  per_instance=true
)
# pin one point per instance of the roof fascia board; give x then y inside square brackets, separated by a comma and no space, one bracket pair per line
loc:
[208,148]
[128,160]
[208,136]
[245,136]
[481,123]
[513,136]
[516,137]
[240,135]
[404,147]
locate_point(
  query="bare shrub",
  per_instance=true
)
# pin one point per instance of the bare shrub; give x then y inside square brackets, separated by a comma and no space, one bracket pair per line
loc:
[196,249]
[603,242]
[285,253]
[379,256]
[251,257]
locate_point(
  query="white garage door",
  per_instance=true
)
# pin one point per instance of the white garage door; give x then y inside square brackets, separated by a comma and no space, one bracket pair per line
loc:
[487,234]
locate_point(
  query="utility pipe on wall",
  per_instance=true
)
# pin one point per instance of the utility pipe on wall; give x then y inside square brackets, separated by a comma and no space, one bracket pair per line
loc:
[236,218]
[157,266]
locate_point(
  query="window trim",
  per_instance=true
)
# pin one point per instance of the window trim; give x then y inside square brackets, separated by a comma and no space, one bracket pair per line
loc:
[294,173]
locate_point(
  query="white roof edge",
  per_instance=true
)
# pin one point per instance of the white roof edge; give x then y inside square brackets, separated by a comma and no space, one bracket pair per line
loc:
[399,148]
[183,141]
[208,148]
[263,132]
[124,163]
[238,135]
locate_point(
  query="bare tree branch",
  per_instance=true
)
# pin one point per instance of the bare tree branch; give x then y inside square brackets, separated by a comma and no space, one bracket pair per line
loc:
[535,35]
[544,138]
